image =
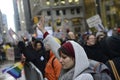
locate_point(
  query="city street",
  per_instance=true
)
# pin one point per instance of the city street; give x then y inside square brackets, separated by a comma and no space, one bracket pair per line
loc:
[6,76]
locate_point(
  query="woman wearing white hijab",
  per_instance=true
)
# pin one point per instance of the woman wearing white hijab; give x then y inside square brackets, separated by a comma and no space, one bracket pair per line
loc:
[71,55]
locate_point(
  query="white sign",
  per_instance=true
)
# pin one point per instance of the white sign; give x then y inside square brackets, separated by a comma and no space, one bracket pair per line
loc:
[39,33]
[96,22]
[93,21]
[50,30]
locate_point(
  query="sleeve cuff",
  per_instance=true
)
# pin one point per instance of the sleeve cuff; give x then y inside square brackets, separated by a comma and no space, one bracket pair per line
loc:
[45,34]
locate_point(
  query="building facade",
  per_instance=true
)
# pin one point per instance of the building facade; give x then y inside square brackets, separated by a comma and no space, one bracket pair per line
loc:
[67,14]
[63,14]
[24,15]
[109,11]
[16,17]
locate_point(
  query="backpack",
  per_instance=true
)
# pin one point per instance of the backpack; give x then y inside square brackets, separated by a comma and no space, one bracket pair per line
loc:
[98,70]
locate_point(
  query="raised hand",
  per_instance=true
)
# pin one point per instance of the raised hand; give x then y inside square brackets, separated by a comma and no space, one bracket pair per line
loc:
[40,25]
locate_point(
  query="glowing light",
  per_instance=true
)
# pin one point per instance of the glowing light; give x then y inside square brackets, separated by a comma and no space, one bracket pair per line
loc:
[62,2]
[48,3]
[70,1]
[14,36]
[76,0]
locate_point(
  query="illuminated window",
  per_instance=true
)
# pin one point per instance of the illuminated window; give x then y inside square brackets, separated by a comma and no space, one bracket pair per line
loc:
[76,21]
[58,22]
[66,20]
[56,2]
[76,1]
[48,2]
[35,19]
[70,1]
[63,2]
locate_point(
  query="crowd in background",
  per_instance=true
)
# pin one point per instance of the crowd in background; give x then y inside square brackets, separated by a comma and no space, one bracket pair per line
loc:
[96,46]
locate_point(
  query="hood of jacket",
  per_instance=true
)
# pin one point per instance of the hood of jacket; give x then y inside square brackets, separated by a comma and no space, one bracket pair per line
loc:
[81,59]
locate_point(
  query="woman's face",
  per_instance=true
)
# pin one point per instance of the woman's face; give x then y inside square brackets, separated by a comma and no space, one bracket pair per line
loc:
[66,61]
[38,46]
[91,40]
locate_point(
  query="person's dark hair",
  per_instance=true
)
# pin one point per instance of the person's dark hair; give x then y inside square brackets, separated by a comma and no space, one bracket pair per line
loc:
[21,46]
[33,39]
[38,41]
[87,37]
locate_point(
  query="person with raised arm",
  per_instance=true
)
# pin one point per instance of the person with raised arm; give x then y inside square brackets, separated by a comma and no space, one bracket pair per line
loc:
[71,56]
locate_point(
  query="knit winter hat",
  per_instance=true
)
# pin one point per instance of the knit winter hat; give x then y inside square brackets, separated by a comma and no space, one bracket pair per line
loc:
[67,46]
[118,30]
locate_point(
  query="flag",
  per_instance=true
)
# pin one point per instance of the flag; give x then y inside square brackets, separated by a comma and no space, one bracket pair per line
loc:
[14,70]
[13,34]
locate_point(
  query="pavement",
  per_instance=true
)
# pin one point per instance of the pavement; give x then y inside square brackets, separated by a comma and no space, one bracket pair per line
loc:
[6,76]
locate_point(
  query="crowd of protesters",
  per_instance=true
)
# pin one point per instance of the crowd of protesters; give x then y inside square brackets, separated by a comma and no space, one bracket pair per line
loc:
[66,59]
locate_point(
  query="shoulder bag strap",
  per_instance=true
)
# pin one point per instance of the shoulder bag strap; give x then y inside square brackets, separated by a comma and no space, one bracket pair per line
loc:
[117,77]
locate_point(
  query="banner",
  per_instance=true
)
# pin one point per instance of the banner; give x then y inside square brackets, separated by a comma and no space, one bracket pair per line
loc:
[12,37]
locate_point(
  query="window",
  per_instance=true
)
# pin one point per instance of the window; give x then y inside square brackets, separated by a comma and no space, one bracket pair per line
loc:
[49,23]
[58,22]
[76,1]
[56,2]
[64,12]
[107,8]
[70,1]
[57,12]
[76,21]
[48,13]
[72,11]
[63,2]
[77,29]
[48,2]
[78,10]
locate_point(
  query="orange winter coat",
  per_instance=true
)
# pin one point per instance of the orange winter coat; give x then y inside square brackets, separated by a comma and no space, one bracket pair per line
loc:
[53,68]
